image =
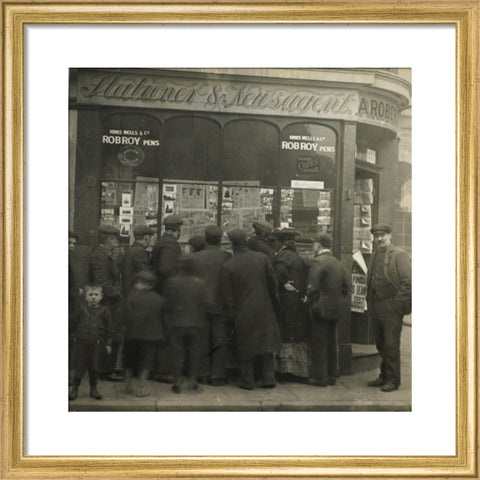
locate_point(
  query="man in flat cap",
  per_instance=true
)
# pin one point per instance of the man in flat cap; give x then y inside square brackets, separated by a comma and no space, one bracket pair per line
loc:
[208,264]
[250,290]
[165,260]
[328,292]
[104,271]
[166,252]
[259,243]
[389,289]
[136,258]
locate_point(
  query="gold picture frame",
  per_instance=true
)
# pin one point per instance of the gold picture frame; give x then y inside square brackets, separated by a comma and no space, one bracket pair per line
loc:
[463,14]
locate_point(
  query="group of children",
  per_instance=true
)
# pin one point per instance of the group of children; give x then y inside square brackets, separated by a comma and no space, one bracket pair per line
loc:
[148,315]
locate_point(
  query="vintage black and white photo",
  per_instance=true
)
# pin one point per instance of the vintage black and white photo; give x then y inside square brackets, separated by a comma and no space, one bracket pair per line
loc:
[240,239]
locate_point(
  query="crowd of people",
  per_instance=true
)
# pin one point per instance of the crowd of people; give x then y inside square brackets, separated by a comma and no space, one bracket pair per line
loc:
[248,315]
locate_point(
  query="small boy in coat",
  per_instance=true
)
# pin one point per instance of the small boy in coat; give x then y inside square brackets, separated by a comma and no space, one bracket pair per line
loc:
[144,331]
[92,330]
[186,316]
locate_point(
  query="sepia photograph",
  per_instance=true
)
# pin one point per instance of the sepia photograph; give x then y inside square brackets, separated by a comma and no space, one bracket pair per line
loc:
[240,239]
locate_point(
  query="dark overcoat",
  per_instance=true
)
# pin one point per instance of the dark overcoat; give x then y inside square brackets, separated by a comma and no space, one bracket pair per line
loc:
[398,273]
[103,270]
[143,319]
[258,244]
[208,265]
[250,290]
[290,267]
[136,260]
[165,257]
[329,287]
[185,302]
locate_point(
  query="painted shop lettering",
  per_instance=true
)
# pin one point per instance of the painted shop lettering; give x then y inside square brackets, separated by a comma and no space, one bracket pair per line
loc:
[120,140]
[306,146]
[142,89]
[378,109]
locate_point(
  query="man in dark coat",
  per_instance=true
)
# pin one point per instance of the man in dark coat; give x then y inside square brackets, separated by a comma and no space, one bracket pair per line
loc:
[389,288]
[166,252]
[136,258]
[249,292]
[104,271]
[259,242]
[208,265]
[165,260]
[328,291]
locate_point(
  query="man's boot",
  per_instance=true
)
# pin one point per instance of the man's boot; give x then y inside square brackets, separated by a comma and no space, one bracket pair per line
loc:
[94,393]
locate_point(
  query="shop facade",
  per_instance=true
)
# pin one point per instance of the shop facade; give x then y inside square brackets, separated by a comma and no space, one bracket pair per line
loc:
[316,150]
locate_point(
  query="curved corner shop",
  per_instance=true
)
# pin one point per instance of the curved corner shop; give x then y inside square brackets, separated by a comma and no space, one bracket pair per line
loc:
[317,150]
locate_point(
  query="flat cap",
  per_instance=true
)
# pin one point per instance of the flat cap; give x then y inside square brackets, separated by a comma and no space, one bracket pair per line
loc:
[285,233]
[140,230]
[381,227]
[263,226]
[147,276]
[72,235]
[323,239]
[237,236]
[213,232]
[197,242]
[173,221]
[108,230]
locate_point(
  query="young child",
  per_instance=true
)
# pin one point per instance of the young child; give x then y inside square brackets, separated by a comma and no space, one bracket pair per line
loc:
[92,332]
[186,317]
[144,331]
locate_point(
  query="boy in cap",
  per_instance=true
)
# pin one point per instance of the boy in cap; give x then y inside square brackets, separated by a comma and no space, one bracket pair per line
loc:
[389,289]
[104,271]
[91,329]
[144,331]
[259,242]
[136,258]
[208,265]
[328,292]
[250,291]
[185,315]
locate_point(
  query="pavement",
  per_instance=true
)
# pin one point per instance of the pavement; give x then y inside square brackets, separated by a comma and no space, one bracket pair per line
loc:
[350,393]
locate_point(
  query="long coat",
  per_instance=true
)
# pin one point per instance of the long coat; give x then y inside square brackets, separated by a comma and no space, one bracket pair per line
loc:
[185,301]
[290,267]
[143,317]
[398,273]
[208,265]
[165,257]
[329,287]
[136,260]
[249,291]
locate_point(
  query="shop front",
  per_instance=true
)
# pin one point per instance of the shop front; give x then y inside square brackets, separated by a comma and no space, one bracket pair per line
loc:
[229,148]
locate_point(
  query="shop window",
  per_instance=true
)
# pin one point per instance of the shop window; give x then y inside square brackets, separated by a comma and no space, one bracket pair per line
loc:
[308,153]
[130,146]
[191,149]
[126,205]
[251,152]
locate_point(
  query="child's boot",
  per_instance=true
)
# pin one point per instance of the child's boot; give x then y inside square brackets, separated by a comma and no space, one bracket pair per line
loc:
[73,392]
